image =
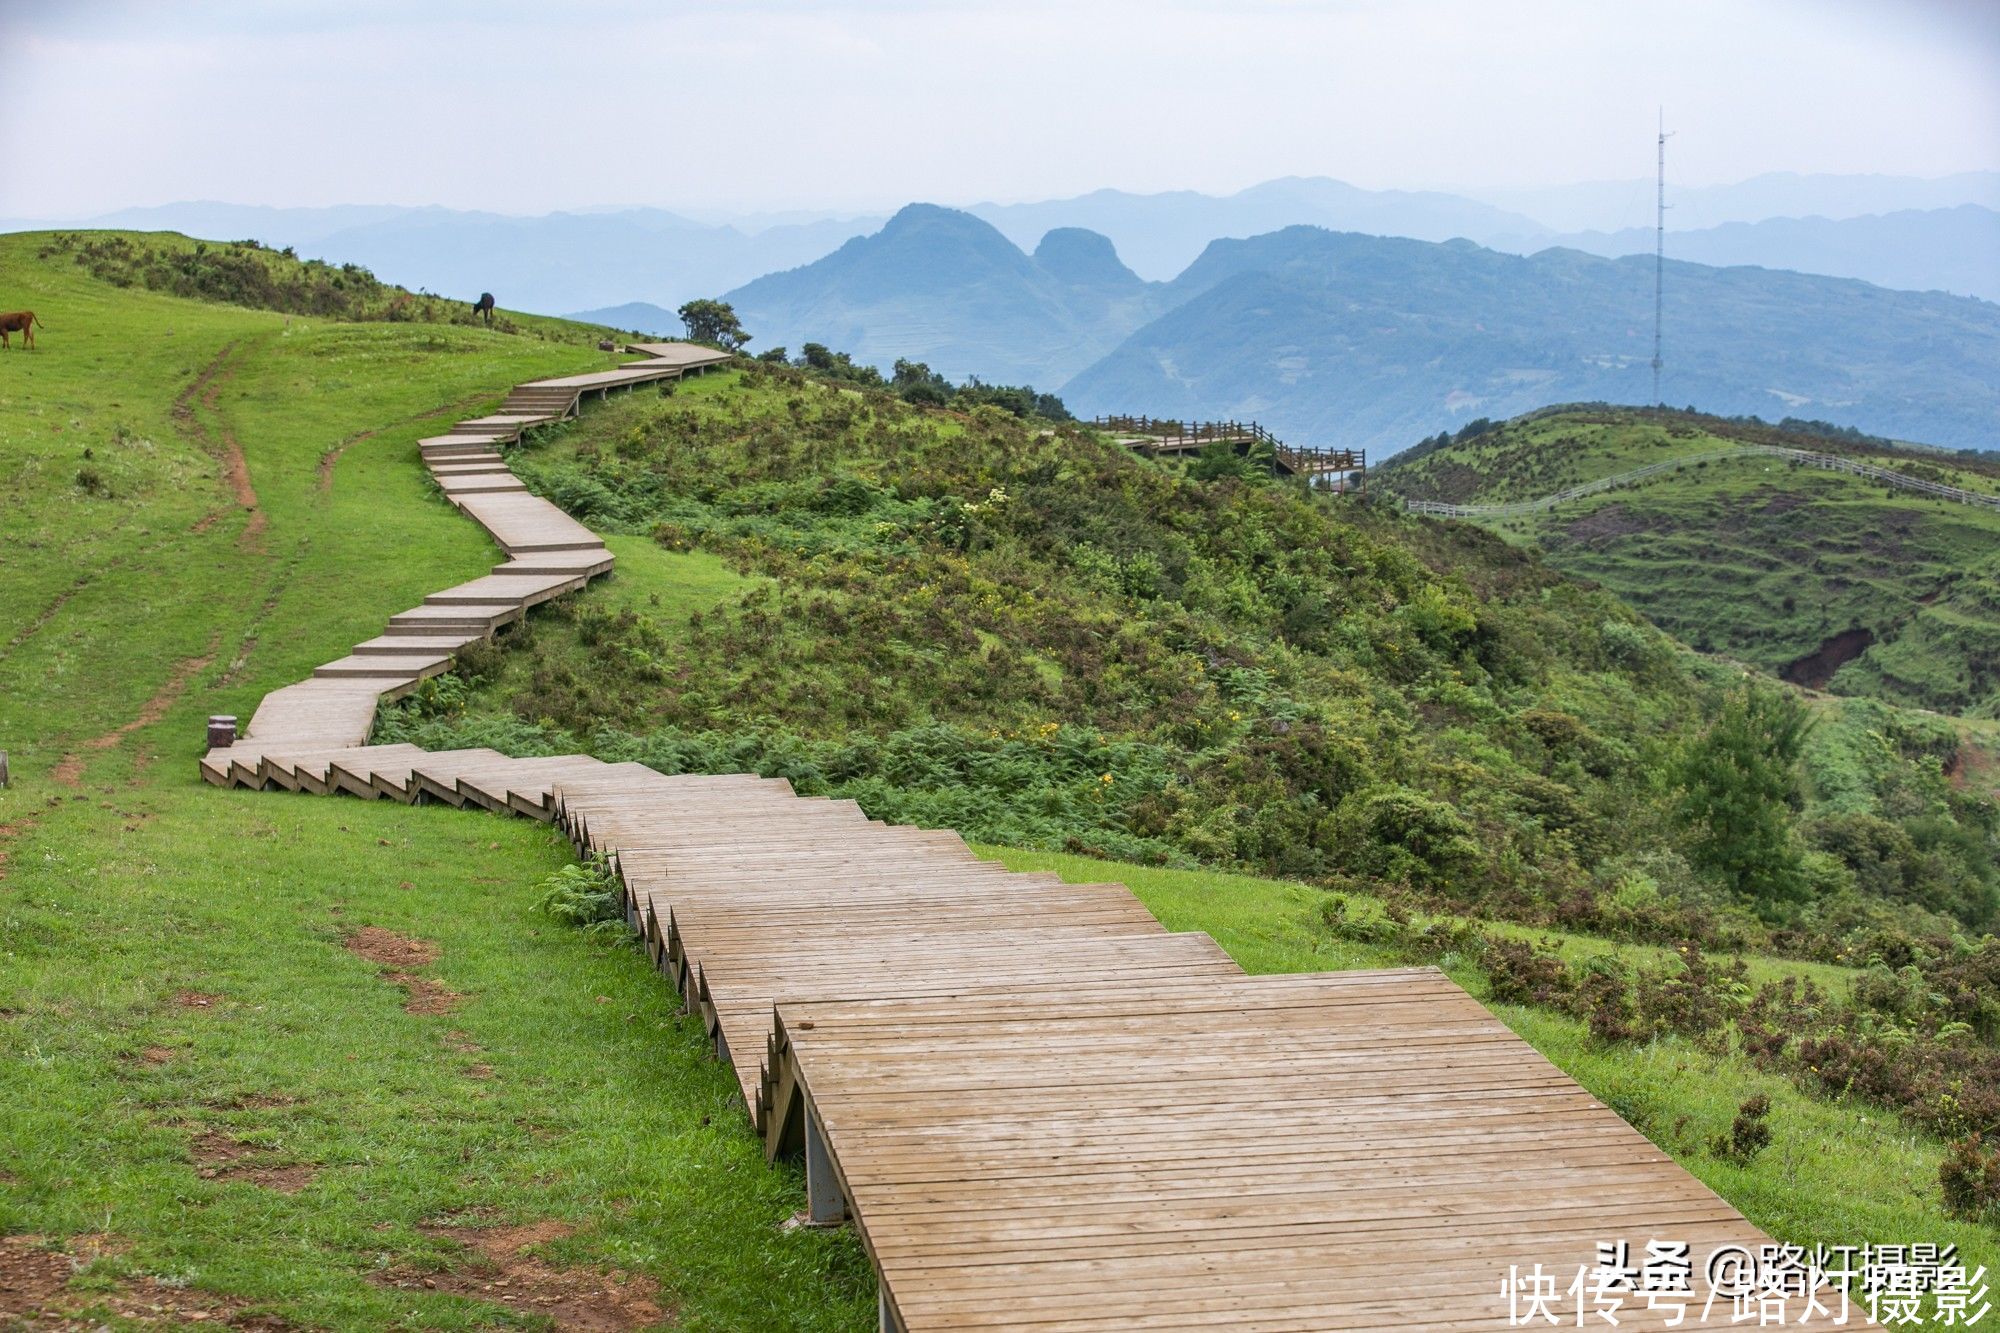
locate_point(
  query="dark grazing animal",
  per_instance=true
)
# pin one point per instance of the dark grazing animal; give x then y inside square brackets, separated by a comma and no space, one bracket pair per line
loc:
[484,307]
[22,322]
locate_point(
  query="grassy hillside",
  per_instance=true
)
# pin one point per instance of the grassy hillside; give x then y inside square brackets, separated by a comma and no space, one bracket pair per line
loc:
[221,1094]
[1449,749]
[1040,639]
[1830,579]
[204,1082]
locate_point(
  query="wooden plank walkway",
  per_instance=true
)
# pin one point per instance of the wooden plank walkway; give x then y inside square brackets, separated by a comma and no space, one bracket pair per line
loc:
[1040,1108]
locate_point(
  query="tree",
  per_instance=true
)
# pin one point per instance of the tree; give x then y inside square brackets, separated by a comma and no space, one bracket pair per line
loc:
[916,382]
[713,322]
[1738,785]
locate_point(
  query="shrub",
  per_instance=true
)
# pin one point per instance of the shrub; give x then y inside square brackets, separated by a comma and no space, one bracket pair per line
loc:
[1749,1134]
[1969,1178]
[1519,973]
[587,896]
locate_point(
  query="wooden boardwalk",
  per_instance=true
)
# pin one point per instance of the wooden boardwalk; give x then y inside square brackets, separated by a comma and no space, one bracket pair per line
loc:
[1040,1108]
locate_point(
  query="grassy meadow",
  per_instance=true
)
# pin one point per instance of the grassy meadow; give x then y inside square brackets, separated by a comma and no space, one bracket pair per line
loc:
[137,1122]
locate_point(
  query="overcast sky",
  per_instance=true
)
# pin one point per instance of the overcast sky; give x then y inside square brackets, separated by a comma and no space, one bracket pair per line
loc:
[764,104]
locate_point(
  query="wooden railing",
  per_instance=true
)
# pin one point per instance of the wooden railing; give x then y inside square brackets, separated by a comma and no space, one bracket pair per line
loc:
[1160,435]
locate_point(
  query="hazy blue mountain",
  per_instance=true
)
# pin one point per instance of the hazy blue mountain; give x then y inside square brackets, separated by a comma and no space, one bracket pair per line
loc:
[943,287]
[1160,234]
[1342,339]
[643,316]
[1938,237]
[1953,250]
[1614,205]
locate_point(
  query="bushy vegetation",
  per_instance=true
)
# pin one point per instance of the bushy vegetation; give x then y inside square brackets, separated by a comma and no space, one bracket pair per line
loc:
[915,382]
[248,273]
[1831,580]
[1917,1030]
[1013,629]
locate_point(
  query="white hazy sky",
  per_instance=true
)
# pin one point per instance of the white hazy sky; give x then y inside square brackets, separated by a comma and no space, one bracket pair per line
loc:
[769,104]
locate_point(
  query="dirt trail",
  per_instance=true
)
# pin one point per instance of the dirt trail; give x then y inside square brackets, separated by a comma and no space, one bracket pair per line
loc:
[48,613]
[205,390]
[399,957]
[69,769]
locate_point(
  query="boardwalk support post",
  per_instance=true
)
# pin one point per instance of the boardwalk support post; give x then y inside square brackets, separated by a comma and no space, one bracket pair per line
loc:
[885,1313]
[221,731]
[824,1205]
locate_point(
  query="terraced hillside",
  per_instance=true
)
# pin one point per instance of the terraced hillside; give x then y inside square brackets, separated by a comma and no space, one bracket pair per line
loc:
[1830,580]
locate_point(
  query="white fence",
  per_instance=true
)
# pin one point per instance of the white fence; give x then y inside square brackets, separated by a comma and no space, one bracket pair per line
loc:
[1798,457]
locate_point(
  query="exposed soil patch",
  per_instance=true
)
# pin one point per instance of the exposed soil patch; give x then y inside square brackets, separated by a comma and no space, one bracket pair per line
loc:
[68,770]
[399,956]
[572,1298]
[426,996]
[1815,669]
[1972,768]
[157,1055]
[219,1157]
[163,699]
[1613,520]
[31,1274]
[34,1292]
[9,832]
[387,948]
[195,999]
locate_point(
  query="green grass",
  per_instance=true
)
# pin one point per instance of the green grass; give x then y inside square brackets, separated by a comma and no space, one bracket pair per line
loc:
[137,882]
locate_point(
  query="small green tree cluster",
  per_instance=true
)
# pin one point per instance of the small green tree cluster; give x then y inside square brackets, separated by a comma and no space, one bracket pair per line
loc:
[1738,790]
[713,322]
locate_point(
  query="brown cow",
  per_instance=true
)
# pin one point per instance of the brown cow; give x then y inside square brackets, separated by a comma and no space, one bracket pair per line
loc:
[18,321]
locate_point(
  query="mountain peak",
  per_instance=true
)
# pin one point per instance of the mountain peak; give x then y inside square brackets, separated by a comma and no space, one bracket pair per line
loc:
[1083,258]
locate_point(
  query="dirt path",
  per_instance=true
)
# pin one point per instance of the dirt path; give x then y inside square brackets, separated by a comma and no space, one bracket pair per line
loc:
[69,769]
[205,391]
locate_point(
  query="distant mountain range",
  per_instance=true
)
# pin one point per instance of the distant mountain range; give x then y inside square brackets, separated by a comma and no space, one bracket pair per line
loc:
[1611,205]
[606,257]
[1953,250]
[1160,234]
[1344,339]
[1937,236]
